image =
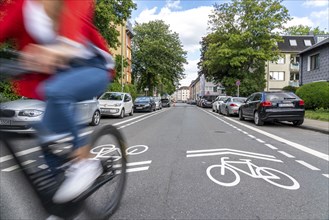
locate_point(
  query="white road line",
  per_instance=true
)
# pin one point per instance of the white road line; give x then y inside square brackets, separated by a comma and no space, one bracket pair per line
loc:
[249,135]
[259,140]
[307,165]
[136,169]
[43,166]
[231,153]
[31,150]
[139,163]
[271,146]
[227,149]
[286,154]
[16,166]
[290,143]
[326,175]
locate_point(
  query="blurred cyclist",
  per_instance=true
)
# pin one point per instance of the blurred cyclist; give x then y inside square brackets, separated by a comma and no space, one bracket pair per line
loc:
[55,36]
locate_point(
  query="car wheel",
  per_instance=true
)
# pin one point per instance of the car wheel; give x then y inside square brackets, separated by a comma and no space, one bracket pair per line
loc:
[257,119]
[132,112]
[122,115]
[96,118]
[298,122]
[241,115]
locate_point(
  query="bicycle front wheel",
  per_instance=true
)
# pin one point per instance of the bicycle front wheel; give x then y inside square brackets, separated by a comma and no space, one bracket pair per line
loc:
[107,145]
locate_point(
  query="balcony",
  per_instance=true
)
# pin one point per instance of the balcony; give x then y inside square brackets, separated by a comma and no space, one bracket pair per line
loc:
[294,83]
[294,67]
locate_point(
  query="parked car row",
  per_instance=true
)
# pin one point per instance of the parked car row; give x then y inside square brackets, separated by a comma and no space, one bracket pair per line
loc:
[262,107]
[18,115]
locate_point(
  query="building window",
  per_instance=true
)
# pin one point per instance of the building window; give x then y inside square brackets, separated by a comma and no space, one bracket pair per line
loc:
[307,43]
[277,75]
[314,62]
[281,60]
[293,42]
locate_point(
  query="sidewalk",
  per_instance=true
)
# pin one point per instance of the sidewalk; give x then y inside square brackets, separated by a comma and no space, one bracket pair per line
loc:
[315,125]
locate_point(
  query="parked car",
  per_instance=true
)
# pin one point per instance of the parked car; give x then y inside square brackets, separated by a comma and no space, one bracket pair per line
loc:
[219,100]
[273,106]
[158,103]
[18,115]
[116,104]
[231,105]
[165,102]
[144,103]
[207,101]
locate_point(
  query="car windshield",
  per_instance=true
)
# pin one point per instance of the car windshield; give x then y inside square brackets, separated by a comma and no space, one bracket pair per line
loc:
[209,98]
[112,96]
[280,96]
[142,99]
[239,100]
[165,100]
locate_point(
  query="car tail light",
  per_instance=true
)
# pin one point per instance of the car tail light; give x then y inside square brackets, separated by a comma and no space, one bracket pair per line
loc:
[266,104]
[301,102]
[233,104]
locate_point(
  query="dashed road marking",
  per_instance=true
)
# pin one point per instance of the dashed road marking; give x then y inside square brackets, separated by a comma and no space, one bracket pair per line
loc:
[286,154]
[271,146]
[307,165]
[326,175]
[12,168]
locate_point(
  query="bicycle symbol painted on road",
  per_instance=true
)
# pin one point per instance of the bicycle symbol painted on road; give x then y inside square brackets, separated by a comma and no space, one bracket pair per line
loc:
[220,173]
[108,150]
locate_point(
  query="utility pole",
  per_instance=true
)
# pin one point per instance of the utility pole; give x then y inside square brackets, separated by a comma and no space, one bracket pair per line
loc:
[122,57]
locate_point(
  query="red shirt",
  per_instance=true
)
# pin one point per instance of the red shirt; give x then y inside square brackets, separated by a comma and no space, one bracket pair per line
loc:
[75,23]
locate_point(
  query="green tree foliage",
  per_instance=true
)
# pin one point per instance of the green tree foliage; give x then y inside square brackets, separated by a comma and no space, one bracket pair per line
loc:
[303,30]
[158,57]
[242,39]
[128,88]
[109,14]
[315,95]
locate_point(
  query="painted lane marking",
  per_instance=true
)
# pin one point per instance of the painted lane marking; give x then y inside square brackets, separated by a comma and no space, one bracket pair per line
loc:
[271,146]
[16,166]
[227,149]
[259,140]
[251,136]
[307,165]
[277,138]
[43,166]
[326,175]
[129,170]
[38,148]
[286,154]
[139,163]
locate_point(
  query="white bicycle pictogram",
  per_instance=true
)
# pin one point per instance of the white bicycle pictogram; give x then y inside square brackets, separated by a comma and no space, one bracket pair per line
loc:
[270,175]
[110,150]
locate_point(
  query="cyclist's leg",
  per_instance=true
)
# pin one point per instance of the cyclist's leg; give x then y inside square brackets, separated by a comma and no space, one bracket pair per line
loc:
[62,91]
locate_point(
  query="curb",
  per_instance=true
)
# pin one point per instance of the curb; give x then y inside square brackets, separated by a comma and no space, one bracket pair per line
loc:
[314,129]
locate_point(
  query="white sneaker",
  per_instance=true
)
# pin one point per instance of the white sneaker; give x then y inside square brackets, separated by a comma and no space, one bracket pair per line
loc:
[83,174]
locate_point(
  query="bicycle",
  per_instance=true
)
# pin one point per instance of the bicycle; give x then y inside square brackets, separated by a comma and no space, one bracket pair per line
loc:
[265,173]
[110,184]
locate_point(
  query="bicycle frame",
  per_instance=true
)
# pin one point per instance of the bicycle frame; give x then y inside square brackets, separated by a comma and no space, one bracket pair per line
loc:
[252,167]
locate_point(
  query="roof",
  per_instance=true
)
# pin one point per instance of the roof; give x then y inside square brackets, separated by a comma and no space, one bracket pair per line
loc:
[319,44]
[285,46]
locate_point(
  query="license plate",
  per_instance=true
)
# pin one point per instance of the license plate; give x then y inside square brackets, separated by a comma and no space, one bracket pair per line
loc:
[286,105]
[105,110]
[5,122]
[139,107]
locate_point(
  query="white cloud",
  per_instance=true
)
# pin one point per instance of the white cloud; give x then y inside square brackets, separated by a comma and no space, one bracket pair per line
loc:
[191,25]
[191,72]
[315,3]
[300,21]
[173,4]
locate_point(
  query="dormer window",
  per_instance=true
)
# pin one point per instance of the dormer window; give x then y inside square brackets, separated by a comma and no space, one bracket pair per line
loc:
[307,42]
[293,42]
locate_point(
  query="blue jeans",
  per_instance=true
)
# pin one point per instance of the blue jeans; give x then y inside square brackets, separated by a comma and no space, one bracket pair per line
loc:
[64,89]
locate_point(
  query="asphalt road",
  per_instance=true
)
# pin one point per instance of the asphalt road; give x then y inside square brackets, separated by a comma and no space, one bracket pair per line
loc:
[271,172]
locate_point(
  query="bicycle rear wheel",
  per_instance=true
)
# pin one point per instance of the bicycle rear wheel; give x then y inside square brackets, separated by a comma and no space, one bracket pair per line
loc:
[107,145]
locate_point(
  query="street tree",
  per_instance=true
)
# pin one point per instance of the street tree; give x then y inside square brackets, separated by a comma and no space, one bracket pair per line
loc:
[159,57]
[303,30]
[242,39]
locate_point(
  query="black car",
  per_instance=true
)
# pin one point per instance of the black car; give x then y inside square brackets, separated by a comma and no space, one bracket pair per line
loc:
[144,103]
[165,102]
[273,106]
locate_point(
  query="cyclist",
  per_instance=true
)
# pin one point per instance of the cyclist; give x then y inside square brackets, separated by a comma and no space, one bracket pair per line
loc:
[52,36]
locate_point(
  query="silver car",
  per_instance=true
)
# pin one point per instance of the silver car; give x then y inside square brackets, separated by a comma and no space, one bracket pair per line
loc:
[158,103]
[217,102]
[18,115]
[231,105]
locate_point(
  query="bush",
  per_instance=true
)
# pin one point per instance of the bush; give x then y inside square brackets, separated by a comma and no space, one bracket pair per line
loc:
[315,95]
[128,88]
[290,89]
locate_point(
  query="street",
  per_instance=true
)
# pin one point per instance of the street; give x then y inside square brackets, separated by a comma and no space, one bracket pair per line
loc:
[193,163]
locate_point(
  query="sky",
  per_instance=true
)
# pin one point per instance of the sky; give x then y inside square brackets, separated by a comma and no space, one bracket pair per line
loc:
[189,18]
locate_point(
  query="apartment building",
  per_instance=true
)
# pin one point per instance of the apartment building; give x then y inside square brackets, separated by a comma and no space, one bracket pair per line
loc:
[201,87]
[286,71]
[314,63]
[124,49]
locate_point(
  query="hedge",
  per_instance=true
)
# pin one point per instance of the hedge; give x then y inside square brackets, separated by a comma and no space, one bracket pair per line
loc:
[315,95]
